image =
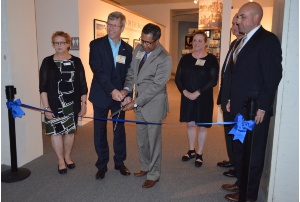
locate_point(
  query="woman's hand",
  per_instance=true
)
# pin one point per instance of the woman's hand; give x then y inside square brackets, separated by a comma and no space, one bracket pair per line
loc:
[83,110]
[48,114]
[191,96]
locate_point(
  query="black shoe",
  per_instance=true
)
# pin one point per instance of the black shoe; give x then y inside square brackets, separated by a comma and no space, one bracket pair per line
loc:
[70,166]
[224,164]
[100,174]
[62,171]
[230,173]
[200,160]
[123,170]
[190,154]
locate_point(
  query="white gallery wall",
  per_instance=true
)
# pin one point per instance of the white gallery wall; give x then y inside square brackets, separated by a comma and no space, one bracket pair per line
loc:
[19,67]
[284,157]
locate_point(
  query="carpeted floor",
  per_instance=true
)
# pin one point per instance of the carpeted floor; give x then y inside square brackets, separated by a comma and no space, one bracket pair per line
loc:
[180,181]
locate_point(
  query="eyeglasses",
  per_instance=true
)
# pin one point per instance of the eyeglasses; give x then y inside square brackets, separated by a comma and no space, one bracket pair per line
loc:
[113,26]
[146,42]
[59,43]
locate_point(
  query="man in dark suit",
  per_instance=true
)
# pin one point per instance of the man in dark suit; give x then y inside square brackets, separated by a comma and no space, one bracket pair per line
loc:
[256,74]
[150,70]
[224,97]
[110,59]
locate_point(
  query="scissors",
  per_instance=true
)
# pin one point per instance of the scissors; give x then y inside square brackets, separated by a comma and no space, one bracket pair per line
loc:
[118,112]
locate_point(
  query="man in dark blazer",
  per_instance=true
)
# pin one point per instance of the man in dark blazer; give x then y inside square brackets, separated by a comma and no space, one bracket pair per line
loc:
[150,70]
[110,59]
[255,74]
[224,97]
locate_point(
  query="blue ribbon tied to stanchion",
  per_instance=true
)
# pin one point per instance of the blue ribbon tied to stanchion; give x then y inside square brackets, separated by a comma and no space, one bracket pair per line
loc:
[241,127]
[15,107]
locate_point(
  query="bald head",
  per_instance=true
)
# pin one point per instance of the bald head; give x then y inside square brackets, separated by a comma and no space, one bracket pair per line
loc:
[255,8]
[249,16]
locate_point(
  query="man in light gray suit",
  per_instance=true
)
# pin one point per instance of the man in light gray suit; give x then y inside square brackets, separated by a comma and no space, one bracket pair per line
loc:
[150,70]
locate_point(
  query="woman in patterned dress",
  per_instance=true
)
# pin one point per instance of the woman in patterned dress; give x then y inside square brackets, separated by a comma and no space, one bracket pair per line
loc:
[196,75]
[63,91]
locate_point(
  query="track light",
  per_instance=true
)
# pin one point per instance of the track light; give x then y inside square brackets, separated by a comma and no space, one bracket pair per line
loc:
[195,1]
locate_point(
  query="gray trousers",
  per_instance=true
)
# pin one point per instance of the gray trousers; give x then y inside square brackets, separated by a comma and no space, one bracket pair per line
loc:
[149,140]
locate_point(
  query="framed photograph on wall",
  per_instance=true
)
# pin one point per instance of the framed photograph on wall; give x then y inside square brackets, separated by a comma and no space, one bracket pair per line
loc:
[188,42]
[136,42]
[217,34]
[214,44]
[125,39]
[99,28]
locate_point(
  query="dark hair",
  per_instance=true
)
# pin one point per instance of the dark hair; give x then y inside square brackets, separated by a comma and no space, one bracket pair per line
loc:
[62,34]
[152,29]
[203,34]
[117,15]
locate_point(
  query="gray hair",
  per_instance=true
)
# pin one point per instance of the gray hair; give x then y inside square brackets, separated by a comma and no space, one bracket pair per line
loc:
[117,15]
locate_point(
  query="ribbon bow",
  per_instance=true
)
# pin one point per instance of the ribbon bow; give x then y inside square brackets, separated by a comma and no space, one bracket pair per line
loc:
[15,107]
[240,128]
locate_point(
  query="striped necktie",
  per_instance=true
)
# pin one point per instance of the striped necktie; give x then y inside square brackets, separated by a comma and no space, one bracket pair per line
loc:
[238,49]
[229,58]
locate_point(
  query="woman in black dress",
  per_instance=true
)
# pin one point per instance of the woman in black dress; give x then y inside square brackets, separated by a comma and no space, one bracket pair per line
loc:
[196,75]
[63,92]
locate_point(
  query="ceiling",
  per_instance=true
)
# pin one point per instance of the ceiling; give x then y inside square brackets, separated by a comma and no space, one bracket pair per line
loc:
[235,3]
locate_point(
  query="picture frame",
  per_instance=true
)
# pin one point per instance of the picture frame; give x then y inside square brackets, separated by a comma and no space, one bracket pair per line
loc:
[99,28]
[217,34]
[136,42]
[188,42]
[214,44]
[125,39]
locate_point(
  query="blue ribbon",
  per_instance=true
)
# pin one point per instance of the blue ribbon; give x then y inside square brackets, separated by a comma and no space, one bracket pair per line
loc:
[241,127]
[239,120]
[15,107]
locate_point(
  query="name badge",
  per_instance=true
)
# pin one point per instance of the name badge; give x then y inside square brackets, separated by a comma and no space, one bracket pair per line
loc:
[139,55]
[120,59]
[67,63]
[200,62]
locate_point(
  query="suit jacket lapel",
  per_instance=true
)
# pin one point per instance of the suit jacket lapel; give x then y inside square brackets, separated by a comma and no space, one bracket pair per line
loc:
[251,42]
[109,52]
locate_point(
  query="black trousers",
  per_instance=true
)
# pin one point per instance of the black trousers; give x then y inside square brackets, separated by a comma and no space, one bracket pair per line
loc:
[228,138]
[100,137]
[260,137]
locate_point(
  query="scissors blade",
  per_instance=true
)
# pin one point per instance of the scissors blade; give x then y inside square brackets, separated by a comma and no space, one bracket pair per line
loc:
[116,112]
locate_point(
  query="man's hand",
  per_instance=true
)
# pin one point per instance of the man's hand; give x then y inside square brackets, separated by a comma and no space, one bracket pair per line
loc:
[259,116]
[117,95]
[126,101]
[124,92]
[129,106]
[228,106]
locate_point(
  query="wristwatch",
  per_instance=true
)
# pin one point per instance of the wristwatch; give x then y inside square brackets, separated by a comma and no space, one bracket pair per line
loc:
[135,105]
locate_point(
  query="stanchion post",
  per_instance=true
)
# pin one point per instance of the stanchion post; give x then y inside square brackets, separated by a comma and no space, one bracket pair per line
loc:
[251,106]
[15,174]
